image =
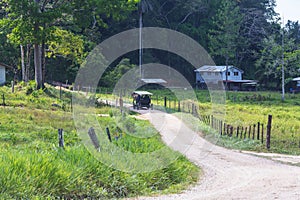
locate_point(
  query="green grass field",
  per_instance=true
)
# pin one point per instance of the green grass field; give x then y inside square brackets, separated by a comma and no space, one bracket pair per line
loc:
[32,165]
[245,109]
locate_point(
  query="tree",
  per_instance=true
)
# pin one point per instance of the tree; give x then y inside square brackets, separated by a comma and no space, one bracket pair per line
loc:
[32,25]
[223,37]
[293,31]
[273,56]
[113,76]
[37,21]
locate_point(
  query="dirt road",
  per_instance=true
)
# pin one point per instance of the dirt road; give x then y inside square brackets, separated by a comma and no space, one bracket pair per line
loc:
[228,174]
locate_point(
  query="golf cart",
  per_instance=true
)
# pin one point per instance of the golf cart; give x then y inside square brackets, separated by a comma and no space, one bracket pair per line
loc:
[142,99]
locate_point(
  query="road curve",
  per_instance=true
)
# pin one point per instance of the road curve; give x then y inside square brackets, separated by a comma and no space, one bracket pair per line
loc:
[228,174]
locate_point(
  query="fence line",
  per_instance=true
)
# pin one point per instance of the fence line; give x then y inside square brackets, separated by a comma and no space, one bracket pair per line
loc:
[251,132]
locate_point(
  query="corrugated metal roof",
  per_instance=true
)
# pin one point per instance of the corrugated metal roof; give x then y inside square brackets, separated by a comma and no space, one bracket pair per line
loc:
[296,79]
[241,81]
[209,68]
[157,81]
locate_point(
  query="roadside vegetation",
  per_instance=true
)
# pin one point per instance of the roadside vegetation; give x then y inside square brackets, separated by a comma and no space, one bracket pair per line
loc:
[248,108]
[33,166]
[245,109]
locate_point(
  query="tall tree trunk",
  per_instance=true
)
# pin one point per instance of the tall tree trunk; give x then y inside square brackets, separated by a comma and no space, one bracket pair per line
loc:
[43,59]
[28,62]
[38,55]
[23,67]
[38,67]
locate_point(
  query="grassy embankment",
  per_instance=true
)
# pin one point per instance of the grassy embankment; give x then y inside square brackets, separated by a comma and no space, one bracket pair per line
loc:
[33,166]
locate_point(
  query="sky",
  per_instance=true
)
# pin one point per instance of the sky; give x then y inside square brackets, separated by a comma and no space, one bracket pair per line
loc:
[290,9]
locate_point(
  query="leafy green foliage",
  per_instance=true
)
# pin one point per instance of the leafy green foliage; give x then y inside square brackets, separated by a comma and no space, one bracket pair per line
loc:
[110,78]
[232,32]
[66,44]
[224,34]
[269,66]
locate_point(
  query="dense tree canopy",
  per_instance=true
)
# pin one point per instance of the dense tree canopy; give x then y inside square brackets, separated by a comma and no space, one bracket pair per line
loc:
[49,39]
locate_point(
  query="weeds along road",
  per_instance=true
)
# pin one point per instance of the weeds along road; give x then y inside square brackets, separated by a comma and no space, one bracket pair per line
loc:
[228,174]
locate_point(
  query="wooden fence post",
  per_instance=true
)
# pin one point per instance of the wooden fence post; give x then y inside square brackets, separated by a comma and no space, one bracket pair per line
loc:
[221,127]
[237,131]
[94,138]
[3,100]
[196,112]
[228,129]
[13,86]
[215,123]
[61,138]
[269,127]
[121,102]
[262,133]
[165,102]
[258,130]
[179,106]
[231,131]
[193,109]
[60,92]
[249,133]
[175,105]
[242,132]
[108,134]
[86,91]
[245,134]
[254,128]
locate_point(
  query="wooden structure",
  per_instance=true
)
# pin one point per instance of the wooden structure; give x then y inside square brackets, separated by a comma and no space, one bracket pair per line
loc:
[217,75]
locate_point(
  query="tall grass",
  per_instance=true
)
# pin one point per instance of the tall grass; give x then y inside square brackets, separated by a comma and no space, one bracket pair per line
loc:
[32,166]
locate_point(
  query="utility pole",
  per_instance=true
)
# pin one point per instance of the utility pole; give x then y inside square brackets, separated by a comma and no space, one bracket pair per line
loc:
[282,67]
[141,40]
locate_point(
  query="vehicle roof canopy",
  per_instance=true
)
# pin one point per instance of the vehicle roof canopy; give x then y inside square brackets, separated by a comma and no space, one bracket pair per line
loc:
[142,93]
